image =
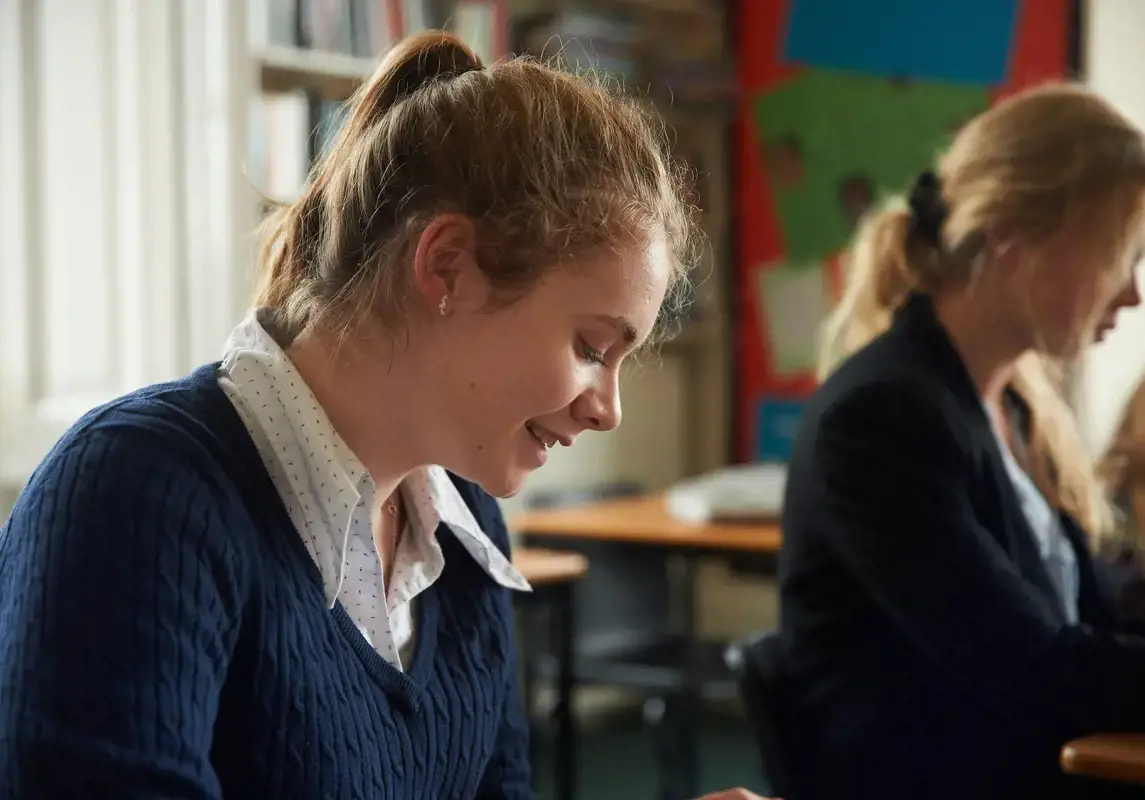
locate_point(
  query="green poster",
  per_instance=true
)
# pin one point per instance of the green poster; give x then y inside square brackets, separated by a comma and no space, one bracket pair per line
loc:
[836,142]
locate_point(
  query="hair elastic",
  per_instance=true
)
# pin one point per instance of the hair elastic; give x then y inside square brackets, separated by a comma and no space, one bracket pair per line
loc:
[927,208]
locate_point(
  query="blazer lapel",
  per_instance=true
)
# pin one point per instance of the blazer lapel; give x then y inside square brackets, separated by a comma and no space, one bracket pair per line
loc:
[1017,538]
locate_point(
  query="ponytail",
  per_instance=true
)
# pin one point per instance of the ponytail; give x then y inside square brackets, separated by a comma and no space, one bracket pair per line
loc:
[414,62]
[879,278]
[291,236]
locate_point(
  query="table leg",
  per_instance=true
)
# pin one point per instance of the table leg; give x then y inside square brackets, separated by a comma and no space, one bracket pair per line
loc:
[566,733]
[688,720]
[525,625]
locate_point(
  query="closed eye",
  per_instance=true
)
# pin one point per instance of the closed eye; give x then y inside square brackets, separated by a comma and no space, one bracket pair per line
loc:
[591,354]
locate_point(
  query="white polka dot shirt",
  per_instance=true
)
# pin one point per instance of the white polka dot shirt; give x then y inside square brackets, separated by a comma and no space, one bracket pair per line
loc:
[330,498]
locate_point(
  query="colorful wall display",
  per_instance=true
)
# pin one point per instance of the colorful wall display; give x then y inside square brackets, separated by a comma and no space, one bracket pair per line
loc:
[843,103]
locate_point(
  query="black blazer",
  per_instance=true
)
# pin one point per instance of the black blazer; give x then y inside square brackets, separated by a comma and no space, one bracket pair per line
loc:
[926,654]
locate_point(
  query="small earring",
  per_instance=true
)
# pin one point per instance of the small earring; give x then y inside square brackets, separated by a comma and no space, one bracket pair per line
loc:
[443,306]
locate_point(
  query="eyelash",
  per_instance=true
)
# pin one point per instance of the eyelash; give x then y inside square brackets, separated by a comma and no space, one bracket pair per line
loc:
[591,354]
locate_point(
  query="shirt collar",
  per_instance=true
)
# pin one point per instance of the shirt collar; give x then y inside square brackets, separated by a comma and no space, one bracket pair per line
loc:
[447,506]
[293,418]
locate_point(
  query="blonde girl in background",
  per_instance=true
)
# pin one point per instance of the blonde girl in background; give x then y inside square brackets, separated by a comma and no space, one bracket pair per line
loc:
[946,629]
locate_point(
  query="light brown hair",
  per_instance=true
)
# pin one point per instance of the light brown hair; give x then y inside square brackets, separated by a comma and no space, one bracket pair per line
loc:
[1031,165]
[548,166]
[1122,467]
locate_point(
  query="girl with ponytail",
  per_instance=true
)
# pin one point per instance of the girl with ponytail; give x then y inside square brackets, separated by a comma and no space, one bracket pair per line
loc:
[938,585]
[286,574]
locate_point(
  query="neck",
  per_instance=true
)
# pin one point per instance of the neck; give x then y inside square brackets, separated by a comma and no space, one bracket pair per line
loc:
[374,411]
[985,336]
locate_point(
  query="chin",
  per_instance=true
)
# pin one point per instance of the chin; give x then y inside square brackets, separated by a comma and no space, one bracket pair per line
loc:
[1066,353]
[1068,348]
[502,483]
[1103,333]
[503,489]
[500,471]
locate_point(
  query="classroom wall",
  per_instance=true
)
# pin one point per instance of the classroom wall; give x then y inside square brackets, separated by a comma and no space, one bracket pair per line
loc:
[1114,65]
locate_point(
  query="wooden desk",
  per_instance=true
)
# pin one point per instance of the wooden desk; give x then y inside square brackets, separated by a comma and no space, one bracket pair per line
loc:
[645,520]
[552,574]
[543,567]
[1107,756]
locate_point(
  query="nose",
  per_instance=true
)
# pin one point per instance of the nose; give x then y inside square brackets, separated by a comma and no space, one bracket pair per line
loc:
[598,408]
[1131,297]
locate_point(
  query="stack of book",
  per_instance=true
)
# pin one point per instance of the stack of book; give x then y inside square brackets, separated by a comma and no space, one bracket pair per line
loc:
[313,53]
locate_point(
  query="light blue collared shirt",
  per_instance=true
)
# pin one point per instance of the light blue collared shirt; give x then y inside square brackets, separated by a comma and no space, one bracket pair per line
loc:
[1053,544]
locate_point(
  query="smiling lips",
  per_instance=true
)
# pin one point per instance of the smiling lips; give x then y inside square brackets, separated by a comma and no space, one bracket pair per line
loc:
[547,437]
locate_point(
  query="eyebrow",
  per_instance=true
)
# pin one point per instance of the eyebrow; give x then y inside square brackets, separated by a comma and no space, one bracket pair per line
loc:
[626,329]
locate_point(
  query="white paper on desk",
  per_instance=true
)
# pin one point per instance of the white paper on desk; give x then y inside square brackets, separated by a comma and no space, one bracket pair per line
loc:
[740,493]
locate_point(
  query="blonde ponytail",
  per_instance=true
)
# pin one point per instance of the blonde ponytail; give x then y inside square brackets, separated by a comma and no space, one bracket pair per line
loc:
[292,234]
[879,278]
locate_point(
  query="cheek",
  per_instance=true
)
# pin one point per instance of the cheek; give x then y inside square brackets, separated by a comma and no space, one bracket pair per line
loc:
[551,383]
[533,381]
[1085,304]
[1110,294]
[514,367]
[1060,309]
[1075,298]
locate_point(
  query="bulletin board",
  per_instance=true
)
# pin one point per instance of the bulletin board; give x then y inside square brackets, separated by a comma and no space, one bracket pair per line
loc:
[844,102]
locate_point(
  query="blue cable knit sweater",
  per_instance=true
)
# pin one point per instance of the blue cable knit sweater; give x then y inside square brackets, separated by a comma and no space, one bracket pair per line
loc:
[163,634]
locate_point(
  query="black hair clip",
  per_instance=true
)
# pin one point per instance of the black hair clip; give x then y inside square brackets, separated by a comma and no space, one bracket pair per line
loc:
[927,208]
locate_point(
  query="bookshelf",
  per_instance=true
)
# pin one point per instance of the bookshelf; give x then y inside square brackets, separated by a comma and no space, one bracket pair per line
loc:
[332,76]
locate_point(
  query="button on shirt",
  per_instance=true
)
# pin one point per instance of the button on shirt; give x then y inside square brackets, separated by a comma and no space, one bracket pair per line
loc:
[330,497]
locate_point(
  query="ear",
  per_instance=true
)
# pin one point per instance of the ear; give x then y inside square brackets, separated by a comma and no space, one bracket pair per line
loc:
[1005,252]
[445,265]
